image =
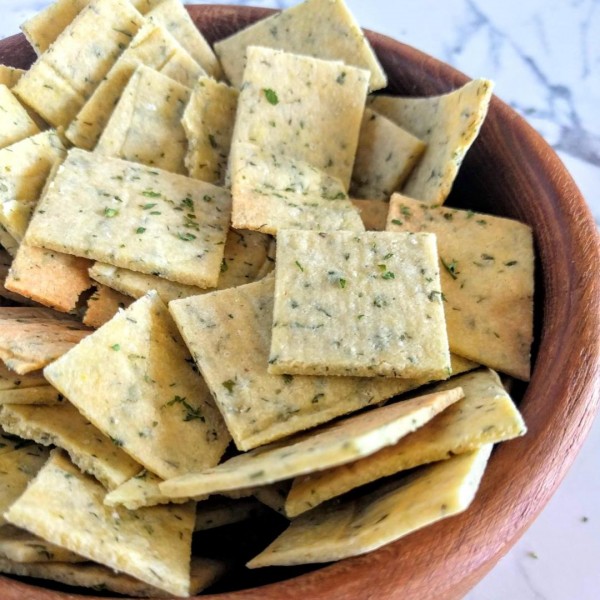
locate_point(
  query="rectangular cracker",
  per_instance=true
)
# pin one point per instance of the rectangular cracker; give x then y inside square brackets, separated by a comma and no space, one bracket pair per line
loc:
[208,123]
[259,407]
[385,157]
[486,415]
[43,394]
[360,304]
[335,444]
[63,426]
[15,122]
[272,192]
[146,394]
[245,259]
[373,213]
[17,469]
[278,109]
[103,305]
[32,338]
[51,278]
[65,507]
[145,126]
[320,28]
[134,217]
[448,124]
[10,75]
[394,510]
[152,46]
[21,546]
[487,269]
[24,168]
[60,81]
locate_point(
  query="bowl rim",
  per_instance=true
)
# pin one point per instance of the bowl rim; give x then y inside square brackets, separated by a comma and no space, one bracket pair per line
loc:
[500,514]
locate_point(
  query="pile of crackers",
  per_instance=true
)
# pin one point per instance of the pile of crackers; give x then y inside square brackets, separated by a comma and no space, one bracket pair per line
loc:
[232,295]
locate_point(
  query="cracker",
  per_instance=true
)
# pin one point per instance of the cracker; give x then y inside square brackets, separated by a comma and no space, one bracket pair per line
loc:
[8,242]
[485,415]
[21,546]
[65,507]
[245,259]
[203,571]
[32,338]
[279,110]
[134,217]
[9,442]
[320,28]
[394,510]
[339,443]
[15,122]
[9,380]
[48,277]
[385,157]
[274,495]
[59,82]
[17,469]
[272,192]
[173,15]
[366,304]
[218,512]
[373,213]
[43,394]
[259,407]
[146,395]
[152,46]
[208,122]
[103,305]
[487,268]
[24,168]
[448,124]
[63,426]
[10,75]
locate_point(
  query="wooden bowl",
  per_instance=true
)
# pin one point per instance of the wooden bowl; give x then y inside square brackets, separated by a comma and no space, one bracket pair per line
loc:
[509,171]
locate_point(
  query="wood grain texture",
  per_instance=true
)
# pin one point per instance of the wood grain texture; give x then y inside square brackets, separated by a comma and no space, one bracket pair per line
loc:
[509,171]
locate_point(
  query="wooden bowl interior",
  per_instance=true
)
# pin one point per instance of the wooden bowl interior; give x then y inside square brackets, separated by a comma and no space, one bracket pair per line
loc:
[510,171]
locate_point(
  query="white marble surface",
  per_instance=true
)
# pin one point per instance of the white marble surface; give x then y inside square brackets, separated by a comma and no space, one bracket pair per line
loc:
[545,58]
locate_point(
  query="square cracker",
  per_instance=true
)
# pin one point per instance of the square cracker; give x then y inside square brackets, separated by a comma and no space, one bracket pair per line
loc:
[373,213]
[448,124]
[320,28]
[103,305]
[487,267]
[65,507]
[63,426]
[385,157]
[145,126]
[134,217]
[335,444]
[152,46]
[363,304]
[10,75]
[486,415]
[59,82]
[134,379]
[279,110]
[208,122]
[21,546]
[245,259]
[24,168]
[259,407]
[360,525]
[272,192]
[15,122]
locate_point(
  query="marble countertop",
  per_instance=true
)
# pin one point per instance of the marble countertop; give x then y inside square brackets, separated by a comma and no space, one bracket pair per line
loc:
[544,56]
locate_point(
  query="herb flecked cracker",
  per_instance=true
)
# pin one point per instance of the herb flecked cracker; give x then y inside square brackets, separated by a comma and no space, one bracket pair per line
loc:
[63,426]
[8,242]
[259,407]
[487,266]
[303,108]
[373,213]
[335,444]
[448,124]
[59,82]
[10,75]
[337,531]
[486,415]
[320,28]
[65,507]
[42,394]
[21,546]
[362,304]
[15,122]
[134,217]
[272,192]
[103,305]
[134,379]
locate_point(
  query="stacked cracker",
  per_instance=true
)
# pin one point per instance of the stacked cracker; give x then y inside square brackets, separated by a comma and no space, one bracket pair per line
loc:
[146,196]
